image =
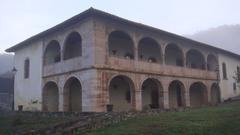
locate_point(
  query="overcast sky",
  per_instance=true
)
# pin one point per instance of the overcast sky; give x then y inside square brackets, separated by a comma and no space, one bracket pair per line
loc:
[21,19]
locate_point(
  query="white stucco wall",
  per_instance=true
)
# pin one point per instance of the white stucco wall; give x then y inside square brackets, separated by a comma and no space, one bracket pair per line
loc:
[29,89]
[226,85]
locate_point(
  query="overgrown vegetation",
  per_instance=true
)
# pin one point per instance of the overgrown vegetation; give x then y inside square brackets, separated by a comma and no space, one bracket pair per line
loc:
[21,122]
[236,77]
[221,120]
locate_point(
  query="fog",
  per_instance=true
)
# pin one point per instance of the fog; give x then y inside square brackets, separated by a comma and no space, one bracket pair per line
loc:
[226,37]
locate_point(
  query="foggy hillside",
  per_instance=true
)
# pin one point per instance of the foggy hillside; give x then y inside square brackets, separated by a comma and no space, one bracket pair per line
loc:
[226,37]
[6,63]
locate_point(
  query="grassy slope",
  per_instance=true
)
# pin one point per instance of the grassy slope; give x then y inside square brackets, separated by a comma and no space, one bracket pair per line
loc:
[9,125]
[222,120]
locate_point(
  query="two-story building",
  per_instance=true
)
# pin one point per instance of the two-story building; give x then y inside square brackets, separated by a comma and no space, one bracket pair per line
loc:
[96,59]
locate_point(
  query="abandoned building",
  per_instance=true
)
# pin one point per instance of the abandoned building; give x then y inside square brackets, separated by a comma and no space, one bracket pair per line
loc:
[96,61]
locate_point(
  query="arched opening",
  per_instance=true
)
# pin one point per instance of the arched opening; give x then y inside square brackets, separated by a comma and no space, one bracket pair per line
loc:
[50,97]
[120,45]
[73,46]
[195,59]
[215,94]
[152,95]
[198,94]
[121,93]
[176,94]
[173,55]
[52,53]
[73,95]
[212,63]
[149,50]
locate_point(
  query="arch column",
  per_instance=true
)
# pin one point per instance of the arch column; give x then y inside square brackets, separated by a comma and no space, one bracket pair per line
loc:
[205,60]
[135,45]
[163,57]
[138,100]
[61,88]
[60,106]
[208,85]
[138,95]
[185,58]
[187,94]
[165,95]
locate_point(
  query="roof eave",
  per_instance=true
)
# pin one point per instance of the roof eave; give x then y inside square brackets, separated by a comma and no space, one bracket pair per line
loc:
[68,22]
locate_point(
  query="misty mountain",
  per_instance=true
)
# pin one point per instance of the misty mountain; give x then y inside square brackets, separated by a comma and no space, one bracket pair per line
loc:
[226,37]
[6,63]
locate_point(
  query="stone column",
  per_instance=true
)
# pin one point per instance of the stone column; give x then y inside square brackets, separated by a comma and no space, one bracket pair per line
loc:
[205,61]
[165,84]
[187,94]
[163,47]
[135,46]
[184,60]
[60,105]
[138,100]
[165,99]
[163,58]
[187,98]
[61,95]
[208,89]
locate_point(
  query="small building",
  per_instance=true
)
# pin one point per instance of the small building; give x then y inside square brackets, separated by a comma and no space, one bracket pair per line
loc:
[95,60]
[6,92]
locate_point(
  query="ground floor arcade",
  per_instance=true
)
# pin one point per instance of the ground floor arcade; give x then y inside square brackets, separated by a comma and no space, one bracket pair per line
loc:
[94,90]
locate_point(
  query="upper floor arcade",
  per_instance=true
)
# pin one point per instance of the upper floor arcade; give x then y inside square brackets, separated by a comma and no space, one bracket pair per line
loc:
[122,47]
[123,53]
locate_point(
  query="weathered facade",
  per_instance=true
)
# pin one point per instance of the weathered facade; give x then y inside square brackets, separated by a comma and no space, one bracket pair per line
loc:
[95,60]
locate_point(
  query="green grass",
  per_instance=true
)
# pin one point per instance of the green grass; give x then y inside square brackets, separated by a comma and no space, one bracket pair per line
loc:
[221,120]
[11,124]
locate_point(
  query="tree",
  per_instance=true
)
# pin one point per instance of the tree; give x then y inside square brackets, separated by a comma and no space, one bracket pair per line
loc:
[236,77]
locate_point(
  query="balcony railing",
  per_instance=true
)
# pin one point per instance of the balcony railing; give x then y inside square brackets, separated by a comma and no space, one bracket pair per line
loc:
[159,69]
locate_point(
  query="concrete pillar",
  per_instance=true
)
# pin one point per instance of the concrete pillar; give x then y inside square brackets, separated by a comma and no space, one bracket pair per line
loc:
[184,60]
[165,85]
[208,88]
[205,60]
[187,98]
[165,96]
[187,93]
[138,100]
[165,99]
[61,82]
[60,105]
[135,44]
[163,58]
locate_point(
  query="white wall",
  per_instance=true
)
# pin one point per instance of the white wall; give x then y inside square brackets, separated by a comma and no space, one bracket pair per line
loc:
[29,89]
[226,85]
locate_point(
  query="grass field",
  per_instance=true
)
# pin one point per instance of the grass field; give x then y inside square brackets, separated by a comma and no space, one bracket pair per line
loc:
[11,124]
[221,120]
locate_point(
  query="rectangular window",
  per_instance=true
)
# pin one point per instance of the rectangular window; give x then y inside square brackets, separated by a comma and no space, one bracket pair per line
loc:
[234,87]
[26,68]
[224,70]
